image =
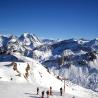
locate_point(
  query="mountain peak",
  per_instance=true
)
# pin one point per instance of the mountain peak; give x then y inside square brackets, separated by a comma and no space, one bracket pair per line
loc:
[26,34]
[30,39]
[96,38]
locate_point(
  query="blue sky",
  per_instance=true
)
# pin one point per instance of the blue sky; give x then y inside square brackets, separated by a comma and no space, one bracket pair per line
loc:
[62,19]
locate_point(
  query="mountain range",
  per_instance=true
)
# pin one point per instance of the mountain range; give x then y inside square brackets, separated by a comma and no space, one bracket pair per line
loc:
[71,59]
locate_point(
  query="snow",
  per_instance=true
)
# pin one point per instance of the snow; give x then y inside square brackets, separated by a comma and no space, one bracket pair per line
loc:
[38,76]
[96,38]
[41,55]
[85,75]
[27,90]
[13,90]
[29,40]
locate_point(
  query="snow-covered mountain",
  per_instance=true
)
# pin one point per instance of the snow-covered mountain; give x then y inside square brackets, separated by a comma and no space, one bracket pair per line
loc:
[93,44]
[23,44]
[75,60]
[78,62]
[50,41]
[30,40]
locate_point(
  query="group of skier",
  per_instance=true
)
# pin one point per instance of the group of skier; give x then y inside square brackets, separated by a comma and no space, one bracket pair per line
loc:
[48,92]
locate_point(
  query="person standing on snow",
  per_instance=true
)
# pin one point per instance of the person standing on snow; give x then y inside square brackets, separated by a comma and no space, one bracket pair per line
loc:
[50,90]
[47,94]
[37,90]
[42,94]
[61,91]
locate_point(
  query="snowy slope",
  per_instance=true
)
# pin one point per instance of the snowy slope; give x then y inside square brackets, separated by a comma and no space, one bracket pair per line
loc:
[13,90]
[38,76]
[81,72]
[37,73]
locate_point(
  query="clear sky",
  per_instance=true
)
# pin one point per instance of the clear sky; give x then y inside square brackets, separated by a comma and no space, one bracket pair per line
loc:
[50,18]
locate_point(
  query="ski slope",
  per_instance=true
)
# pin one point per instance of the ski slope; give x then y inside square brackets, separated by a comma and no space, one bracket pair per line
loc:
[14,90]
[18,86]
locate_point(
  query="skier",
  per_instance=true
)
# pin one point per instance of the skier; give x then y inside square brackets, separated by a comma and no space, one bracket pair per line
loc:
[61,91]
[50,90]
[47,94]
[42,94]
[11,79]
[37,90]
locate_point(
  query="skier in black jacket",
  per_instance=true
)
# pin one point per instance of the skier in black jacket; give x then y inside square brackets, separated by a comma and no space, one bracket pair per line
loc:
[37,90]
[61,91]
